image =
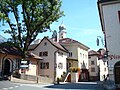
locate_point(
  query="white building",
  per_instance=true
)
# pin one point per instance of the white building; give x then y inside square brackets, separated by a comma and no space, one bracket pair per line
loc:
[59,54]
[109,11]
[98,69]
[78,52]
[54,58]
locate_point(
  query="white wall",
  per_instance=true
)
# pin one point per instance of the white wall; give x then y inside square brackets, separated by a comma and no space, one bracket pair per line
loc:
[61,59]
[50,58]
[72,48]
[76,50]
[32,69]
[53,58]
[82,56]
[112,29]
[103,65]
[96,64]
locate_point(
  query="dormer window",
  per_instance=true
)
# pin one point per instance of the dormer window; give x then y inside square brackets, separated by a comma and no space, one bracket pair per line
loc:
[45,43]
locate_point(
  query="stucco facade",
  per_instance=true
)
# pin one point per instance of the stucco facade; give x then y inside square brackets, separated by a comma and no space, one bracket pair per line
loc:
[56,59]
[12,65]
[77,51]
[98,69]
[110,21]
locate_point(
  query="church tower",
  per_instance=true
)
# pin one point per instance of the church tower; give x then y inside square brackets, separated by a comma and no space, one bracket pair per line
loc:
[62,31]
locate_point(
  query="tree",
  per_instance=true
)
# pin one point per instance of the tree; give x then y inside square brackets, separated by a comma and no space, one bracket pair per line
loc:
[27,18]
[54,35]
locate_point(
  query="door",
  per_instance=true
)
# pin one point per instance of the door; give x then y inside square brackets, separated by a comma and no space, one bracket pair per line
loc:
[117,73]
[6,69]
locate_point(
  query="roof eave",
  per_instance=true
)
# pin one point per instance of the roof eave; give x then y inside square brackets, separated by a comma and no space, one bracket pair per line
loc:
[99,4]
[100,14]
[107,1]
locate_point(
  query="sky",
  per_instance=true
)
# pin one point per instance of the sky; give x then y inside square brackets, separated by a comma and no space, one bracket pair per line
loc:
[81,21]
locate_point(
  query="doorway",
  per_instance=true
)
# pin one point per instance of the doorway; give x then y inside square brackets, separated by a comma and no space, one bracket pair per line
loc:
[7,67]
[117,72]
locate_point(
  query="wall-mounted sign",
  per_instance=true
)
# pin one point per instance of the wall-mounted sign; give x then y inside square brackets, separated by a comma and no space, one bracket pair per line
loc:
[24,64]
[114,57]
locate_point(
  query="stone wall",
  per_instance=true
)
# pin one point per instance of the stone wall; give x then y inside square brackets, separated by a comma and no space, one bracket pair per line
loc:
[37,79]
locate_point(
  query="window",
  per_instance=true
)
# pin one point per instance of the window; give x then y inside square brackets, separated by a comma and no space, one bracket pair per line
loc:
[60,66]
[104,63]
[68,65]
[92,63]
[89,57]
[44,65]
[105,69]
[60,53]
[70,54]
[40,53]
[47,65]
[81,55]
[92,69]
[119,16]
[45,53]
[45,43]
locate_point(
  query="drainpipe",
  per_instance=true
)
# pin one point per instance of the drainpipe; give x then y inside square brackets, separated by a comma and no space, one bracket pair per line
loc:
[55,65]
[37,71]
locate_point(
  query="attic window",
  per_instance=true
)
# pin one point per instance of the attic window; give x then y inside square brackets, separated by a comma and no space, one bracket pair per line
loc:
[119,16]
[45,43]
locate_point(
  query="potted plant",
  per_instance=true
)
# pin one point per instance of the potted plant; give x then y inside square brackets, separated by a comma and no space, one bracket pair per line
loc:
[74,74]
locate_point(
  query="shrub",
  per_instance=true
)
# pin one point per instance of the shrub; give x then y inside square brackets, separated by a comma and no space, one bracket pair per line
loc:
[74,69]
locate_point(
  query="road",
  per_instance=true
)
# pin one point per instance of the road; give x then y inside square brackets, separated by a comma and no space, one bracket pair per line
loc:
[7,85]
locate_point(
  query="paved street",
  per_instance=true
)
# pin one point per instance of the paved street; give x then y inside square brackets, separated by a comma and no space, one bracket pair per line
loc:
[6,85]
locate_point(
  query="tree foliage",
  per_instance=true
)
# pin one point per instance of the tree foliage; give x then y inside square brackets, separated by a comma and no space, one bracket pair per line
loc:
[27,18]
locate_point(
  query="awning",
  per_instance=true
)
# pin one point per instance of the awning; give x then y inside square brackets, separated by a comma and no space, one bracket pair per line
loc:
[32,55]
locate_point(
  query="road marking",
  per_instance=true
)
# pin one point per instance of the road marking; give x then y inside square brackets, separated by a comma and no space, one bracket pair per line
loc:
[5,88]
[16,86]
[10,88]
[21,85]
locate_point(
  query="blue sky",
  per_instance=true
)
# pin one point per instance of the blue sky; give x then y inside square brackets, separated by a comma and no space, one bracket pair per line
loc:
[81,20]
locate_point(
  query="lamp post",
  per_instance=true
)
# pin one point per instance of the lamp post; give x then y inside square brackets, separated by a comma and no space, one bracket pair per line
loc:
[99,37]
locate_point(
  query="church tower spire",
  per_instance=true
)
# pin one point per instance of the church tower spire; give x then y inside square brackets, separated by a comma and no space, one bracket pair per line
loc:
[62,31]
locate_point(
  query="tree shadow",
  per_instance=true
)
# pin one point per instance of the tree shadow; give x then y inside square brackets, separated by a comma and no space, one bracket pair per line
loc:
[76,86]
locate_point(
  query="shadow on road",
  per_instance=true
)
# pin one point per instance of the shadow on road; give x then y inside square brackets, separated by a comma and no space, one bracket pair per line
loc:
[75,86]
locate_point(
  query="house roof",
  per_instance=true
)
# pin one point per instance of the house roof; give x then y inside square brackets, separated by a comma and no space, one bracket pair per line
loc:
[92,53]
[33,46]
[71,41]
[31,55]
[9,50]
[54,43]
[14,51]
[101,12]
[106,0]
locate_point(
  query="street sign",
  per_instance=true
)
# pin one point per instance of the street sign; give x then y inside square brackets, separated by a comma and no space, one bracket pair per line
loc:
[24,64]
